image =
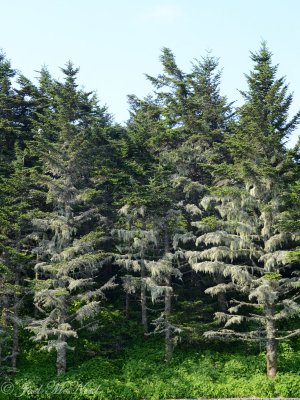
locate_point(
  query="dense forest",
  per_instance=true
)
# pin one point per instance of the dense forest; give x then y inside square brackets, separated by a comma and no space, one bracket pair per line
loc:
[154,260]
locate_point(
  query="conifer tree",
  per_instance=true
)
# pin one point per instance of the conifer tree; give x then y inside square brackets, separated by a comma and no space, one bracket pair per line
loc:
[196,117]
[248,245]
[133,229]
[291,221]
[8,131]
[145,229]
[164,272]
[15,203]
[135,244]
[14,115]
[68,248]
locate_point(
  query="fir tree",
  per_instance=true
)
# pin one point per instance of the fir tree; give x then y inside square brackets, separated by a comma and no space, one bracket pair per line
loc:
[249,247]
[8,132]
[145,228]
[14,115]
[17,205]
[195,117]
[68,245]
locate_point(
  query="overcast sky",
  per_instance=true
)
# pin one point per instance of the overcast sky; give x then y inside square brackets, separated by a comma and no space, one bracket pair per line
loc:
[115,42]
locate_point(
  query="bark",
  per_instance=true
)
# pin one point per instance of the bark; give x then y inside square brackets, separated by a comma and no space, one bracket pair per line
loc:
[168,329]
[221,297]
[61,356]
[15,344]
[144,291]
[127,303]
[168,309]
[4,315]
[271,345]
[144,298]
[61,359]
[36,314]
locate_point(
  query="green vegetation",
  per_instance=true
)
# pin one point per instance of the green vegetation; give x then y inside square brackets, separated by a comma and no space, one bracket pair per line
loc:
[155,260]
[140,371]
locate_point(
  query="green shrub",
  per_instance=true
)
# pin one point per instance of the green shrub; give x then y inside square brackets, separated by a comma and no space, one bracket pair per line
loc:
[140,372]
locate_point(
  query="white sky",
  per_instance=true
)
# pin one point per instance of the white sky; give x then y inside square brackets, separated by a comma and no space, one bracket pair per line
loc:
[115,42]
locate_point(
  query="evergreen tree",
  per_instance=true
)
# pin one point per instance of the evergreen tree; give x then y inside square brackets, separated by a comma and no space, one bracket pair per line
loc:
[69,237]
[14,115]
[133,229]
[248,246]
[136,244]
[291,215]
[145,227]
[15,203]
[196,116]
[8,132]
[181,129]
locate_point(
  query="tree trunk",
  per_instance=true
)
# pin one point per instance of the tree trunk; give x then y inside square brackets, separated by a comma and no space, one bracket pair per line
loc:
[168,309]
[144,298]
[15,344]
[36,314]
[168,329]
[271,345]
[61,359]
[222,301]
[127,303]
[4,315]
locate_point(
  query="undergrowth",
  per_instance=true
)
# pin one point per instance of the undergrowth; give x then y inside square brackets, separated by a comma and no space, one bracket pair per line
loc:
[140,372]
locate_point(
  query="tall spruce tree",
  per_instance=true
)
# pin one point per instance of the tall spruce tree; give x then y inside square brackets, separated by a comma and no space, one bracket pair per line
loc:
[15,110]
[134,233]
[196,117]
[291,221]
[15,203]
[248,245]
[146,222]
[8,116]
[69,236]
[182,127]
[135,244]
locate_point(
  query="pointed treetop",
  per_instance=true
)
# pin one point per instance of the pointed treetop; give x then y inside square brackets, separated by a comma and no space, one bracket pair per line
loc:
[168,60]
[267,99]
[70,74]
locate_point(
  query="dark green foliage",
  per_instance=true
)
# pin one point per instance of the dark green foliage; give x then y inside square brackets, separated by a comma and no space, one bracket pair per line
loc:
[68,237]
[188,182]
[16,203]
[15,110]
[263,126]
[250,248]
